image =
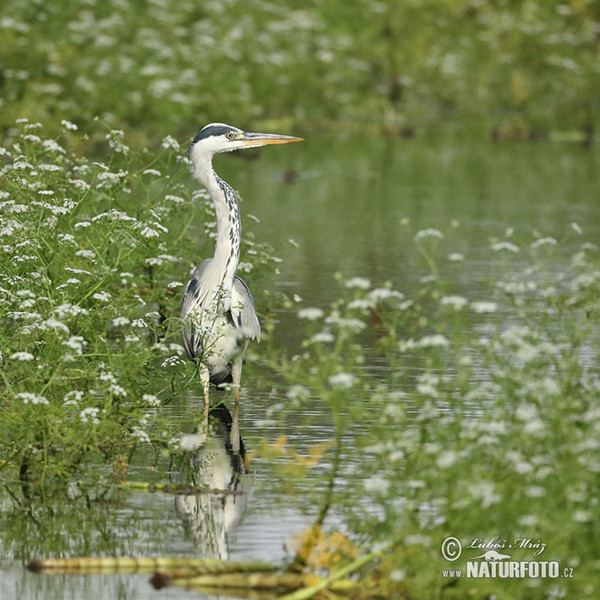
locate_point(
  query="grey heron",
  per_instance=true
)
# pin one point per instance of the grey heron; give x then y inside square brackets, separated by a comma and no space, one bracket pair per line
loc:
[217,308]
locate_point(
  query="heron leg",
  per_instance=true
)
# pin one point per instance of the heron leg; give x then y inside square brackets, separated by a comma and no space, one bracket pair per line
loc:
[234,436]
[236,376]
[205,379]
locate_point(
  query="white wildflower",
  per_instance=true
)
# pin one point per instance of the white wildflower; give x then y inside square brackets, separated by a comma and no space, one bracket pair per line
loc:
[545,241]
[361,283]
[361,304]
[72,398]
[484,307]
[353,325]
[311,313]
[576,228]
[120,321]
[52,323]
[433,341]
[151,172]
[583,516]
[140,323]
[376,484]
[90,415]
[456,302]
[429,232]
[151,400]
[446,459]
[53,146]
[170,143]
[140,434]
[29,398]
[68,125]
[22,356]
[175,284]
[497,247]
[323,337]
[342,381]
[298,392]
[456,257]
[148,232]
[85,254]
[486,492]
[172,361]
[174,199]
[102,296]
[380,294]
[116,390]
[77,343]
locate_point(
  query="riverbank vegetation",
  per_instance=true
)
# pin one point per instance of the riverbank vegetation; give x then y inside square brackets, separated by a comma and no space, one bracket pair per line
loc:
[155,68]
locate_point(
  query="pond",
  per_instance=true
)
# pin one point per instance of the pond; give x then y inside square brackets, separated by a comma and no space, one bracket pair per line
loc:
[351,204]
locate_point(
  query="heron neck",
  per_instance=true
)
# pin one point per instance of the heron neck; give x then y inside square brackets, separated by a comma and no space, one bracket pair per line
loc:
[229,228]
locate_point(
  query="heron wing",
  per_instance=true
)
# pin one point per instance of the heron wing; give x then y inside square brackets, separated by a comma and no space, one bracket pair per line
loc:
[195,296]
[243,314]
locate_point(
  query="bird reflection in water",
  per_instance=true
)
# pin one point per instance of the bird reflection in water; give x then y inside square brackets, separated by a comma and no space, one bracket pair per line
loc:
[219,464]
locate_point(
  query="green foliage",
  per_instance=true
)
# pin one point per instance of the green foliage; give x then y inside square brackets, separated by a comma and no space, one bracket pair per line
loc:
[159,66]
[90,273]
[476,416]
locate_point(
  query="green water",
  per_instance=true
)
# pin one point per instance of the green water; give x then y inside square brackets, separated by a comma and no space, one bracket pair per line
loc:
[354,208]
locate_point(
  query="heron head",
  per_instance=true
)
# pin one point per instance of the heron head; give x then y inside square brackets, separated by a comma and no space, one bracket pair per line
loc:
[218,137]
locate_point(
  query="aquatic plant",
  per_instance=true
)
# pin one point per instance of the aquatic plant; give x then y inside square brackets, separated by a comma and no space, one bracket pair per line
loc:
[475,416]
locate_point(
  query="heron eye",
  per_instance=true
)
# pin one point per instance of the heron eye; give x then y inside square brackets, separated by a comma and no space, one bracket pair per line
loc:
[230,135]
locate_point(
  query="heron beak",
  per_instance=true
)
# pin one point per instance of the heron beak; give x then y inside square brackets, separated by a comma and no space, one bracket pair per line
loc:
[262,139]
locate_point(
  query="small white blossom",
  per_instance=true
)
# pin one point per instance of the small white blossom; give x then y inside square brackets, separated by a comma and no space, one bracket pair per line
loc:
[429,232]
[170,143]
[456,302]
[120,321]
[102,296]
[85,254]
[140,323]
[376,484]
[311,313]
[29,398]
[353,325]
[433,341]
[545,241]
[342,381]
[77,343]
[323,337]
[72,398]
[140,434]
[68,125]
[497,247]
[298,392]
[361,283]
[380,294]
[175,284]
[172,361]
[174,199]
[151,400]
[90,415]
[456,257]
[148,232]
[484,307]
[22,356]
